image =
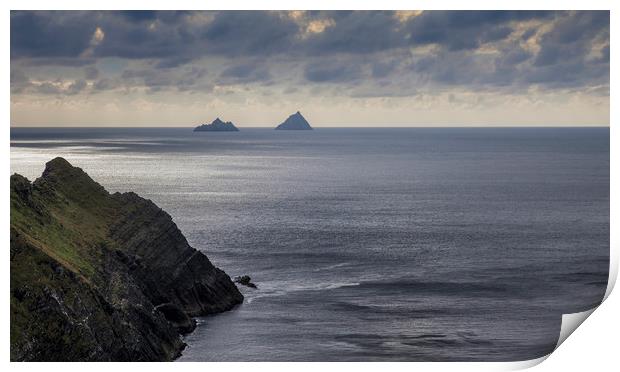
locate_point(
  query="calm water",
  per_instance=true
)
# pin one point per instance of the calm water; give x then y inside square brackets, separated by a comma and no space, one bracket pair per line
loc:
[371,244]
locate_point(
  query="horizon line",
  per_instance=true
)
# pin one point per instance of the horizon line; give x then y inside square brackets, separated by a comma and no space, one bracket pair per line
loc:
[324,127]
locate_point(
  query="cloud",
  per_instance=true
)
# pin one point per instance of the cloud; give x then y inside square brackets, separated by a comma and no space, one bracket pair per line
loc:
[382,69]
[375,51]
[76,87]
[249,33]
[245,73]
[50,33]
[139,15]
[460,30]
[173,61]
[96,39]
[57,61]
[357,32]
[91,72]
[604,54]
[572,37]
[19,81]
[338,72]
[148,78]
[104,84]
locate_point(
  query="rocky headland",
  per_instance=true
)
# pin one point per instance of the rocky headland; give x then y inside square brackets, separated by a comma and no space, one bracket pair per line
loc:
[102,277]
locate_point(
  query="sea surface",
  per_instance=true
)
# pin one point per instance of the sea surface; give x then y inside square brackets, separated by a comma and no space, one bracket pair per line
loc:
[415,244]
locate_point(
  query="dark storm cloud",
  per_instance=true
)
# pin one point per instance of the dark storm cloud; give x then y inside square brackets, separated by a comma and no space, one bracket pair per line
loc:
[138,40]
[458,30]
[512,56]
[189,79]
[572,37]
[451,68]
[67,35]
[172,62]
[350,46]
[564,58]
[139,15]
[358,32]
[249,33]
[50,34]
[58,61]
[382,69]
[172,35]
[325,73]
[245,73]
[149,78]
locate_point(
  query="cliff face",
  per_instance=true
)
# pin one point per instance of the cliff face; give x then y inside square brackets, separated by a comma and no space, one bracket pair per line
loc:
[99,276]
[295,122]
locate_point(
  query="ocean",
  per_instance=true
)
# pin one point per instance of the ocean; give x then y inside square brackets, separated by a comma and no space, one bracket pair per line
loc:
[370,244]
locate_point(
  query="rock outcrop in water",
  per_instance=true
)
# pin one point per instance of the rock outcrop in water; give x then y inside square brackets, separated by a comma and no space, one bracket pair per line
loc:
[217,126]
[244,280]
[295,122]
[102,277]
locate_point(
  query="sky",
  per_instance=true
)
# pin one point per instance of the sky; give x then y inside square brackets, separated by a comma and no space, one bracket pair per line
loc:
[339,68]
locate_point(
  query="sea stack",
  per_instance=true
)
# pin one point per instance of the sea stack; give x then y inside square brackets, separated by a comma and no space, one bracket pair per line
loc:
[217,126]
[295,122]
[102,277]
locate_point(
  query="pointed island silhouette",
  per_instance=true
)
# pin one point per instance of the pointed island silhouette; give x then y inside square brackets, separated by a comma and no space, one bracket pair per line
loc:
[217,126]
[295,122]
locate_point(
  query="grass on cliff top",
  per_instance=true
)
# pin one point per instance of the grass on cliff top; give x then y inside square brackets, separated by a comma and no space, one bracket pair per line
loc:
[71,233]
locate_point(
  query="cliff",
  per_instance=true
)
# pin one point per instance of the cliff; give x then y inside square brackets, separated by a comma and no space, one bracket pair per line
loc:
[102,277]
[217,126]
[295,122]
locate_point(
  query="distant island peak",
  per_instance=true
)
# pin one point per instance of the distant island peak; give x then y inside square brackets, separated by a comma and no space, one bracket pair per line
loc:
[217,125]
[295,122]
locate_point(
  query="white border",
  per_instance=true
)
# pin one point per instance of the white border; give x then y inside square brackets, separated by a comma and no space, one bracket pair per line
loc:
[593,346]
[317,4]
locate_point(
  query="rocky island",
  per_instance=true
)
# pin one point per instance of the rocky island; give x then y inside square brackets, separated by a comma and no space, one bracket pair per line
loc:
[102,277]
[295,122]
[217,126]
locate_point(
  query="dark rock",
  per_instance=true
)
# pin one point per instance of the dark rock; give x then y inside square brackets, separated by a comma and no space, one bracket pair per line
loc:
[176,316]
[244,280]
[295,122]
[102,277]
[217,126]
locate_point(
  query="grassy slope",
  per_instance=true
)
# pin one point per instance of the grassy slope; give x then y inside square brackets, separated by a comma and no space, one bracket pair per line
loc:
[73,225]
[59,243]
